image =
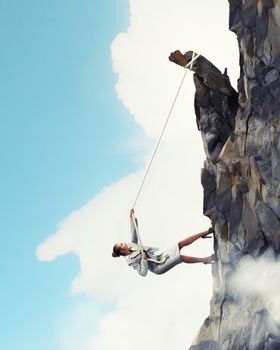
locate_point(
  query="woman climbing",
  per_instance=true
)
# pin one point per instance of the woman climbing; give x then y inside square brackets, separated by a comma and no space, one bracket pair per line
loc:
[143,258]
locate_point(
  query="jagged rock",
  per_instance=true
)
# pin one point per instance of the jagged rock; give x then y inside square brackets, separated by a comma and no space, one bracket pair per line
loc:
[241,174]
[206,345]
[270,224]
[216,102]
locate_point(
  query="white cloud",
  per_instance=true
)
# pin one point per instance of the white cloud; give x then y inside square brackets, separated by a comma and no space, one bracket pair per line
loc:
[75,324]
[163,311]
[259,278]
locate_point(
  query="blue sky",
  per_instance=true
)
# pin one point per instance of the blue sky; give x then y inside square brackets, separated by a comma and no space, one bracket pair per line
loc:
[60,123]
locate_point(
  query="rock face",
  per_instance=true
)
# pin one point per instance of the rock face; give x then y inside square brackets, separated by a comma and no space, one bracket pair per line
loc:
[241,174]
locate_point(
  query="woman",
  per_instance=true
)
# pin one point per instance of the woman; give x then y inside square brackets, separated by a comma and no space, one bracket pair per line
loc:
[145,260]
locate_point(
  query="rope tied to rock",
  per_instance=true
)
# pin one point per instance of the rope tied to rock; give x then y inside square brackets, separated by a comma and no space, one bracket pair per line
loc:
[187,67]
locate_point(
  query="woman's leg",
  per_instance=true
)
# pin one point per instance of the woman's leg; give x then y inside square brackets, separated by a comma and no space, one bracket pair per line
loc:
[191,239]
[193,259]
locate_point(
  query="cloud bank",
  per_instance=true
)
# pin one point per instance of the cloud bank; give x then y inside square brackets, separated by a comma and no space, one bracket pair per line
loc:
[162,311]
[259,278]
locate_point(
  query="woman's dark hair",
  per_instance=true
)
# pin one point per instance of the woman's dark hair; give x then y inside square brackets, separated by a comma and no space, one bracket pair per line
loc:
[116,252]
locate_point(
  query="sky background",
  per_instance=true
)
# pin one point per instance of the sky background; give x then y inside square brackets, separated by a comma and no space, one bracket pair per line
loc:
[86,87]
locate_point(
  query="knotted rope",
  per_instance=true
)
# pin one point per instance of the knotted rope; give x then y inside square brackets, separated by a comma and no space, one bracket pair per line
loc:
[164,257]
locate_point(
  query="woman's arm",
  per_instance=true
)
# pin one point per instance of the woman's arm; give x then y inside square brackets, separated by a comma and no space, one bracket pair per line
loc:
[134,237]
[142,267]
[139,263]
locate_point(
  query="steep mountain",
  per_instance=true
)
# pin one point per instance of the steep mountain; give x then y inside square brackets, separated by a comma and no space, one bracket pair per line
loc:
[241,174]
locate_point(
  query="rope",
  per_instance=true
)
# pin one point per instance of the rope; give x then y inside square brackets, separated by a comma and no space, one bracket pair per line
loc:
[187,67]
[137,232]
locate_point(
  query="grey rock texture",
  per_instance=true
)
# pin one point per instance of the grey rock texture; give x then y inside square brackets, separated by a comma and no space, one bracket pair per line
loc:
[240,178]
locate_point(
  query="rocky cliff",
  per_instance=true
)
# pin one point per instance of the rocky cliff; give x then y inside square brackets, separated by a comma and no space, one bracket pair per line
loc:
[241,174]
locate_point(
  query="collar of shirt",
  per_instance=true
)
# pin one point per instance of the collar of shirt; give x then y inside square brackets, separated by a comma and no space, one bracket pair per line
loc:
[135,250]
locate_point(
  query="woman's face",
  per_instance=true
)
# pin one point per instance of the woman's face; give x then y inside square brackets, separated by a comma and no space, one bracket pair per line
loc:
[122,248]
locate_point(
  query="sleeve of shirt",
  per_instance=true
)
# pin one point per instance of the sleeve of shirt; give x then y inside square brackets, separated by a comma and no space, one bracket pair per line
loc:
[134,237]
[141,268]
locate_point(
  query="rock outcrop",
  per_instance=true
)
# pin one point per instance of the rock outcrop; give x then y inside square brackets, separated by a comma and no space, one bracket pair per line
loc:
[241,174]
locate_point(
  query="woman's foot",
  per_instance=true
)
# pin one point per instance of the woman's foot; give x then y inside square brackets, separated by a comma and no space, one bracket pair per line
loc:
[208,233]
[209,259]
